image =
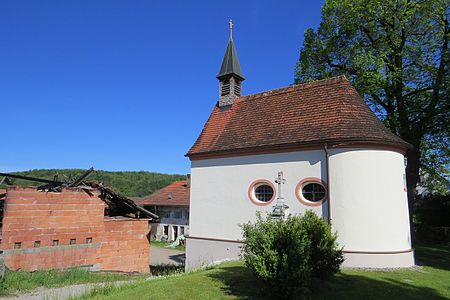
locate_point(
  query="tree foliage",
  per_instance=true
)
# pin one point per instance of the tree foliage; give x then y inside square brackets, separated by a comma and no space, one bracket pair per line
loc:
[287,254]
[432,218]
[433,210]
[396,54]
[131,184]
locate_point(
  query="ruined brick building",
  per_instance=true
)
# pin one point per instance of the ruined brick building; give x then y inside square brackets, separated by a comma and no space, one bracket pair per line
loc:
[72,227]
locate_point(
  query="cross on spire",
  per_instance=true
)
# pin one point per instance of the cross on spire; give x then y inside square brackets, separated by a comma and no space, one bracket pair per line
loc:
[231,28]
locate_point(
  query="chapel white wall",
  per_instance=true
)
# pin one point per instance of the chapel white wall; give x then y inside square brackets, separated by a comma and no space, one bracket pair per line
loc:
[219,189]
[369,205]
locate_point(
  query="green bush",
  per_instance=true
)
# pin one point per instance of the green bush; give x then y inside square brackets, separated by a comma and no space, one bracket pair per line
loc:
[432,218]
[433,234]
[433,210]
[287,254]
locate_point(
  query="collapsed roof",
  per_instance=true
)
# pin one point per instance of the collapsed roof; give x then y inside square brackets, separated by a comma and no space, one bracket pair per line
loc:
[117,204]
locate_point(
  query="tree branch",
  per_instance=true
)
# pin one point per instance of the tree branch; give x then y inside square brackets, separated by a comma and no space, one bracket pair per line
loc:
[437,86]
[381,102]
[418,91]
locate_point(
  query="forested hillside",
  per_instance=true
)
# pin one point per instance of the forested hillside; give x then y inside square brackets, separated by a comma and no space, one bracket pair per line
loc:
[131,184]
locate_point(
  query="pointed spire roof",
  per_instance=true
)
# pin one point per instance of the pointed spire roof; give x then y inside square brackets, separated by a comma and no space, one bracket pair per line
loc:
[230,63]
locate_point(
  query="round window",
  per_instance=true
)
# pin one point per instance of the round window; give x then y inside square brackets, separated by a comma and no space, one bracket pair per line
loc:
[261,192]
[311,191]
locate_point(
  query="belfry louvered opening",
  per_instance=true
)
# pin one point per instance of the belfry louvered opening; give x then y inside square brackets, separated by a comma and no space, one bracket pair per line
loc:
[225,90]
[237,88]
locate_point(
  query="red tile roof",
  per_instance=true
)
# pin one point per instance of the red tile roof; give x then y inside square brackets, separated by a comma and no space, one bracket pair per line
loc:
[175,194]
[323,111]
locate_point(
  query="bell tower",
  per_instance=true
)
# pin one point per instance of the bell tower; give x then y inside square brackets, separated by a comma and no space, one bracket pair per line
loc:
[230,75]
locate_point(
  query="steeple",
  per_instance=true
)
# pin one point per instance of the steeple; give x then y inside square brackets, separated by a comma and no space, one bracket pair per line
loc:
[230,74]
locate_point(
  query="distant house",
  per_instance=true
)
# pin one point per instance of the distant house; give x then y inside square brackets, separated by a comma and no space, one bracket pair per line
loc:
[171,204]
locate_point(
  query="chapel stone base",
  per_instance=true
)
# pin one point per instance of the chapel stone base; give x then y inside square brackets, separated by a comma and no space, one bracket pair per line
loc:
[379,260]
[202,252]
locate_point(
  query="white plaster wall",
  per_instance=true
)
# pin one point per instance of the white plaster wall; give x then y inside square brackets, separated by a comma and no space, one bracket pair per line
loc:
[171,211]
[201,253]
[369,206]
[159,231]
[219,189]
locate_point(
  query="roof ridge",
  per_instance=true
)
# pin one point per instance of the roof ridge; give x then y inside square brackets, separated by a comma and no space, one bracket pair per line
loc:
[161,189]
[328,110]
[304,85]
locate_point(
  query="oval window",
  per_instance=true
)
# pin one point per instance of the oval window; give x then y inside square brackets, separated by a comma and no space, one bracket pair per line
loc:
[261,192]
[311,191]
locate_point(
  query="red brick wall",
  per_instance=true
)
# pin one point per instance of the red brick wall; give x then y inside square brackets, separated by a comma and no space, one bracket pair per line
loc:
[125,241]
[32,216]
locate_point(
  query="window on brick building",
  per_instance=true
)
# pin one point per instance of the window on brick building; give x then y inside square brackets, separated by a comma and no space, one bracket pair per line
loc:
[89,240]
[37,244]
[73,241]
[17,245]
[55,242]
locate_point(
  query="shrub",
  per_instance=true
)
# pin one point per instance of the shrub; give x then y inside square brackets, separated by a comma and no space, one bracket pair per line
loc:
[287,254]
[433,210]
[432,218]
[433,234]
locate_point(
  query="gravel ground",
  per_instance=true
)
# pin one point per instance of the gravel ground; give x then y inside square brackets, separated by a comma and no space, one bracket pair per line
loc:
[61,293]
[166,256]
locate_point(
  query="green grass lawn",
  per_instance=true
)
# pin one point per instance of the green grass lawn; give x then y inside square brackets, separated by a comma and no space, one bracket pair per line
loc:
[19,282]
[234,281]
[162,244]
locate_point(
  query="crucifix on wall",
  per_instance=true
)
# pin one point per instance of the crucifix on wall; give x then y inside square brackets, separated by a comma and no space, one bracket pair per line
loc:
[280,209]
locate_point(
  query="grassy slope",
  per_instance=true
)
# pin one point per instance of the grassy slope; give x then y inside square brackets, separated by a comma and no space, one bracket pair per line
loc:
[210,284]
[131,184]
[15,282]
[431,281]
[234,281]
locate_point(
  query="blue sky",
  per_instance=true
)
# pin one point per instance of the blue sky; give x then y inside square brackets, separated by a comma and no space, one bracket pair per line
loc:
[128,85]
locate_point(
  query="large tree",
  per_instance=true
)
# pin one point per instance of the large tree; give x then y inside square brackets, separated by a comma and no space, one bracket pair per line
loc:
[396,54]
